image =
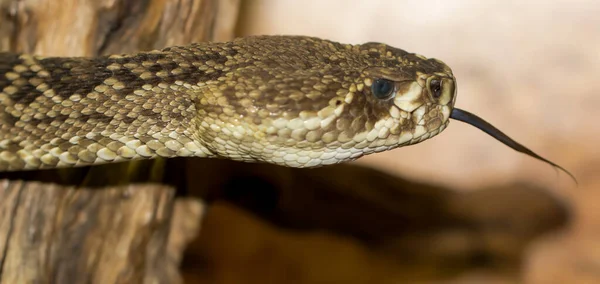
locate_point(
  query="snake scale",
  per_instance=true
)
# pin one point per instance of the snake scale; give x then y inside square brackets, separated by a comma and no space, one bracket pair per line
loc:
[288,100]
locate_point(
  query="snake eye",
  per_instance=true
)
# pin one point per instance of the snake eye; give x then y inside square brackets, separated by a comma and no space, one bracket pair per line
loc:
[436,88]
[383,89]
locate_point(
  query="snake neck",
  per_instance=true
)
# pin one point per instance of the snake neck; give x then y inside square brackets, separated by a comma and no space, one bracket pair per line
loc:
[57,112]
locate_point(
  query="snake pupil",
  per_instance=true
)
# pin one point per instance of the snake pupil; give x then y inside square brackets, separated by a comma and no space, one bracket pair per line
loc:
[382,89]
[436,88]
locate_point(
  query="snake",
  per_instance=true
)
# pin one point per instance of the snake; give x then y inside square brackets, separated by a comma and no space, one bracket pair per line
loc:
[294,101]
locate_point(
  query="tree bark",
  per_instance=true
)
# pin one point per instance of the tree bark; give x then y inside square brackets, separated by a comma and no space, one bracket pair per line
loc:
[82,235]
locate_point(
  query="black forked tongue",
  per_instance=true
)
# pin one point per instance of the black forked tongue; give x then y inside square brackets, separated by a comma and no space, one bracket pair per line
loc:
[484,126]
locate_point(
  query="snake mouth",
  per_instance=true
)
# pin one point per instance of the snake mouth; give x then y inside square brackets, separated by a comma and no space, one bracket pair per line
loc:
[474,120]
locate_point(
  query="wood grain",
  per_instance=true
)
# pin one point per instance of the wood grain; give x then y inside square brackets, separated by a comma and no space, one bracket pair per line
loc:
[54,232]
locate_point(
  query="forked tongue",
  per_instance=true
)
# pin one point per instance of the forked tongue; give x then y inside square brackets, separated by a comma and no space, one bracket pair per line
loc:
[469,118]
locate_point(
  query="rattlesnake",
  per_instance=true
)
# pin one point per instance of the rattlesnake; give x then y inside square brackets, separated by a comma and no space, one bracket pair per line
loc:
[289,100]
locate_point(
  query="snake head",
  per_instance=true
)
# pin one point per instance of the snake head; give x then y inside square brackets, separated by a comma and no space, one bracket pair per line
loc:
[418,101]
[400,99]
[306,102]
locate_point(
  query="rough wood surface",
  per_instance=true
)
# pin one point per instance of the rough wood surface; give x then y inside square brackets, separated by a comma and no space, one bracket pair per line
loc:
[90,27]
[108,225]
[54,232]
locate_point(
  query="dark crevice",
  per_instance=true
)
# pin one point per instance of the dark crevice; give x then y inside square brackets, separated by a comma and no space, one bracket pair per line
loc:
[125,15]
[11,14]
[108,36]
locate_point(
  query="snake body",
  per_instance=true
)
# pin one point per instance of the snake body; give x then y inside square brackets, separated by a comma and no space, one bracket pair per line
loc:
[288,100]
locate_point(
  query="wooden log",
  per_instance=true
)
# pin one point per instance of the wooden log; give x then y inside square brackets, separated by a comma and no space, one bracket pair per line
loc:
[75,226]
[82,235]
